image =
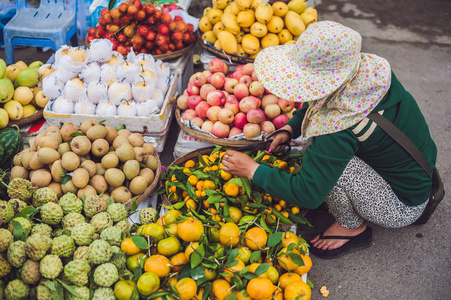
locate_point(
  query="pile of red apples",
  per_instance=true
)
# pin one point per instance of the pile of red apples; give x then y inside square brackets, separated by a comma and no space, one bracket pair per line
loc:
[230,104]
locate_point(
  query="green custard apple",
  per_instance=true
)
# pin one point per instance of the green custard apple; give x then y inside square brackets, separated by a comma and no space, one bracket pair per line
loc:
[18,205]
[63,246]
[106,275]
[83,291]
[124,225]
[104,293]
[16,254]
[6,211]
[44,195]
[101,221]
[17,290]
[119,258]
[18,188]
[148,215]
[82,253]
[5,267]
[6,238]
[94,205]
[51,213]
[71,203]
[100,252]
[37,245]
[42,290]
[42,229]
[82,234]
[29,273]
[113,235]
[117,211]
[77,272]
[72,219]
[51,266]
[25,223]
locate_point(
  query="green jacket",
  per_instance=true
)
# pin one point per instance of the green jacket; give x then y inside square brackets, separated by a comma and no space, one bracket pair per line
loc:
[328,155]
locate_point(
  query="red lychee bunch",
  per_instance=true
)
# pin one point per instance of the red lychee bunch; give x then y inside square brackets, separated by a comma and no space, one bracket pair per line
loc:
[143,28]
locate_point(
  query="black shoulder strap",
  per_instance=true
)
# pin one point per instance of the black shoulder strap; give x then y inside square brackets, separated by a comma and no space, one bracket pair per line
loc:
[401,139]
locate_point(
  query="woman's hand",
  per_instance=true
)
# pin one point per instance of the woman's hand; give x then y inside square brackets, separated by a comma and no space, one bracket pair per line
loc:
[278,139]
[239,164]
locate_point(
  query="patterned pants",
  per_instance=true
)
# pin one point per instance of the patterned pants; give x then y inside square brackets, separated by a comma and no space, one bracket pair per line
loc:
[362,194]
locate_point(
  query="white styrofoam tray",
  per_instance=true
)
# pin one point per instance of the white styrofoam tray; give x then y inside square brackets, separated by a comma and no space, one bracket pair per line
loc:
[154,124]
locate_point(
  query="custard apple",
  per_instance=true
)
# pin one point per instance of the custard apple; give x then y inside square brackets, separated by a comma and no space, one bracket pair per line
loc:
[106,275]
[18,205]
[101,221]
[148,215]
[18,189]
[82,253]
[2,289]
[63,246]
[112,235]
[59,231]
[29,272]
[70,203]
[16,254]
[82,234]
[42,229]
[72,219]
[6,238]
[100,252]
[6,211]
[104,293]
[119,258]
[51,213]
[94,205]
[77,271]
[17,290]
[83,291]
[43,292]
[51,266]
[44,195]
[125,226]
[117,211]
[25,223]
[5,267]
[36,246]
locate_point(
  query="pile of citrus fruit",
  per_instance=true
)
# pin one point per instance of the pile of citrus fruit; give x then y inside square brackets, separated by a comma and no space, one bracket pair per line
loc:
[221,239]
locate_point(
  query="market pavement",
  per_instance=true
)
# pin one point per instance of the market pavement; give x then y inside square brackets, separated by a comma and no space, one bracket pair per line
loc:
[407,263]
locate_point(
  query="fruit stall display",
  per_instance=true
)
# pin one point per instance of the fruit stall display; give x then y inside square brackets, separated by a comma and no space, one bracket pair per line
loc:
[20,97]
[229,104]
[244,27]
[142,28]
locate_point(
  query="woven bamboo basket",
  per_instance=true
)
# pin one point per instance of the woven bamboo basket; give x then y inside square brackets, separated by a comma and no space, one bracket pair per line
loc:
[219,53]
[208,138]
[151,188]
[175,54]
[28,120]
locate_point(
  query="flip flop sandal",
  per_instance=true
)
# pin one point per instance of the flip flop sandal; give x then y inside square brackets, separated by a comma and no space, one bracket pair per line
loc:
[360,241]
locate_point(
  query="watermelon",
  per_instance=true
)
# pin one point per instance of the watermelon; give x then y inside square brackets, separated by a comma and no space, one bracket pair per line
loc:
[11,143]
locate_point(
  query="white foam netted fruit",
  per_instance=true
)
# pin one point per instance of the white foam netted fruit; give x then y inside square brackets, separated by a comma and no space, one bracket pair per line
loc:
[162,85]
[85,107]
[100,50]
[76,59]
[148,108]
[106,108]
[52,87]
[61,52]
[148,75]
[146,61]
[116,59]
[142,90]
[158,97]
[97,91]
[63,106]
[127,109]
[108,74]
[119,91]
[162,69]
[64,75]
[75,90]
[128,72]
[90,73]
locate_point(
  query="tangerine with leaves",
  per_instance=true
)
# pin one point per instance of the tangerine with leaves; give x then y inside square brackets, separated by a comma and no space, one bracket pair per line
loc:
[169,246]
[133,261]
[148,283]
[288,238]
[123,290]
[172,216]
[242,295]
[154,230]
[220,289]
[284,260]
[297,290]
[190,230]
[260,288]
[287,278]
[244,254]
[190,164]
[233,269]
[253,267]
[158,264]
[235,214]
[255,238]
[231,189]
[306,267]
[229,234]
[273,274]
[177,261]
[129,247]
[210,274]
[190,249]
[186,288]
[277,294]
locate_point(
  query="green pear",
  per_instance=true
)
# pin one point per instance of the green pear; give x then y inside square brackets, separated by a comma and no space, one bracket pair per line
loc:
[12,71]
[6,90]
[36,64]
[2,68]
[27,77]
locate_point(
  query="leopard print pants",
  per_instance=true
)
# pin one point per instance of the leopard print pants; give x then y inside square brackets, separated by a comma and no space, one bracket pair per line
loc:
[362,194]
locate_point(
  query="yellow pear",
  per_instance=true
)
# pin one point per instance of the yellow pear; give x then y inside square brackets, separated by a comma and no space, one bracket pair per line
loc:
[270,40]
[294,23]
[209,36]
[291,42]
[239,37]
[255,55]
[263,13]
[78,55]
[214,15]
[23,95]
[280,9]
[113,61]
[245,18]
[78,82]
[28,110]
[312,11]
[308,19]
[234,8]
[243,4]
[256,3]
[298,6]
[275,25]
[241,51]
[228,42]
[218,28]
[250,44]
[206,10]
[204,24]
[259,29]
[230,23]
[218,45]
[227,10]
[221,4]
[41,99]
[12,71]
[4,118]
[21,64]
[45,71]
[14,109]
[284,36]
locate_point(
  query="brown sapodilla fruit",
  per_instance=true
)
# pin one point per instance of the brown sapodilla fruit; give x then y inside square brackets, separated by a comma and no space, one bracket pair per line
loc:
[66,130]
[70,161]
[86,124]
[80,145]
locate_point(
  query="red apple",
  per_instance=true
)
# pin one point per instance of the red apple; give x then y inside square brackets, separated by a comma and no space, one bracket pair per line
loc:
[232,104]
[206,73]
[285,105]
[226,116]
[272,111]
[290,113]
[192,89]
[248,69]
[199,79]
[218,80]
[256,116]
[216,65]
[201,109]
[205,90]
[212,113]
[280,121]
[216,98]
[193,101]
[254,76]
[182,102]
[207,125]
[197,121]
[247,104]
[150,36]
[251,130]
[241,91]
[235,131]
[220,130]
[230,84]
[189,114]
[240,120]
[246,79]
[225,70]
[267,126]
[237,74]
[256,89]
[269,99]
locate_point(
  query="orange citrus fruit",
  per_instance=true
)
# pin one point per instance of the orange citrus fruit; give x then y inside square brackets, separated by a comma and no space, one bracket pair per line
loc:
[193,180]
[169,246]
[177,261]
[220,289]
[172,216]
[244,254]
[306,267]
[235,214]
[277,294]
[260,288]
[190,230]
[297,290]
[190,249]
[148,283]
[186,288]
[209,274]
[287,278]
[242,295]
[123,289]
[285,261]
[209,185]
[133,261]
[288,238]
[231,189]
[229,234]
[171,229]
[295,210]
[226,176]
[154,230]
[255,238]
[158,264]
[129,247]
[190,164]
[213,234]
[235,268]
[253,267]
[273,274]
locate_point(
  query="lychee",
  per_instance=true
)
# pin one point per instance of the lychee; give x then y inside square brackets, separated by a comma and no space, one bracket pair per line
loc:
[178,18]
[177,36]
[182,27]
[150,36]
[166,18]
[143,30]
[164,29]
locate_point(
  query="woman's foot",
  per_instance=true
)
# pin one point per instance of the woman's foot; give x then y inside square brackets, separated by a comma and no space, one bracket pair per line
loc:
[334,230]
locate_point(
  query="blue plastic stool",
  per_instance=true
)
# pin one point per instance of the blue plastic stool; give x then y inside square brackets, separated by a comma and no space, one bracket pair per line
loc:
[49,25]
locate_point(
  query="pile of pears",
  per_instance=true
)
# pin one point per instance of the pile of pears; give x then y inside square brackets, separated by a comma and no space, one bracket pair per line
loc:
[20,96]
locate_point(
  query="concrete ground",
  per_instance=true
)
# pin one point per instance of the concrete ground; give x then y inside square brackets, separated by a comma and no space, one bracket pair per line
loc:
[407,263]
